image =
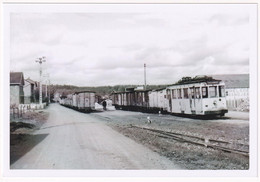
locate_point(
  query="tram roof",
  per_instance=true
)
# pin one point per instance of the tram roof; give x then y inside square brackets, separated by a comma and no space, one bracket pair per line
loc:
[189,80]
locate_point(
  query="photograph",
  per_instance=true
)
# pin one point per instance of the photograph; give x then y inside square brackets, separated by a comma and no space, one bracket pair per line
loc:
[131,87]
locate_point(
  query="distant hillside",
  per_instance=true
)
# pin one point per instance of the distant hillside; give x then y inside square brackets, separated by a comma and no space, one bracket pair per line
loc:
[234,80]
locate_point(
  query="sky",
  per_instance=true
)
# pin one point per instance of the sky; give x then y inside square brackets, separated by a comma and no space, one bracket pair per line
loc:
[110,48]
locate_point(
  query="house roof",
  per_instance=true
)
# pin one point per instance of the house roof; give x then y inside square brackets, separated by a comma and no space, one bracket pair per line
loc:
[234,80]
[86,91]
[16,78]
[31,81]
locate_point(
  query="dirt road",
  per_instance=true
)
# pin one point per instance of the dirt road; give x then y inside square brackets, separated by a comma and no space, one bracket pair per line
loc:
[73,140]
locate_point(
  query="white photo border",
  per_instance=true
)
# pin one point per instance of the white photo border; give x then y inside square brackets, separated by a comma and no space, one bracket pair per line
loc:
[75,7]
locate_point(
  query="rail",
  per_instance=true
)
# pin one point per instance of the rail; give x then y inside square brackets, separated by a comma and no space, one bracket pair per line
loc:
[198,141]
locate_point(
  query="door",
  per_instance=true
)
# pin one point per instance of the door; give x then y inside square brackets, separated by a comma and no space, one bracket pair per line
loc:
[192,100]
[198,100]
[169,98]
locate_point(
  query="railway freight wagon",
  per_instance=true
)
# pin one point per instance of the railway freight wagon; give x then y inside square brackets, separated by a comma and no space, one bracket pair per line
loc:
[158,100]
[83,101]
[197,96]
[133,100]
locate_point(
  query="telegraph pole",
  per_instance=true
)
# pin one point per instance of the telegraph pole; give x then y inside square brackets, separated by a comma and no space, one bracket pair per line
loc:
[144,76]
[49,92]
[40,61]
[47,86]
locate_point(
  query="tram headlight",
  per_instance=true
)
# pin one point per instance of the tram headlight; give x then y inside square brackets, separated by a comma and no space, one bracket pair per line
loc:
[215,103]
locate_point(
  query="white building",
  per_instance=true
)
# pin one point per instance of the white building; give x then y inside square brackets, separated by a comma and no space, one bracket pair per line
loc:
[16,89]
[237,91]
[29,91]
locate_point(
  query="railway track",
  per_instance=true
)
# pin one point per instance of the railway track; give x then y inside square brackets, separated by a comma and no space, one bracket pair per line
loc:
[209,143]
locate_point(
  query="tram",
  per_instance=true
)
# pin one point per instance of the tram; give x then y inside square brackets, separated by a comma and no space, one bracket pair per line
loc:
[201,95]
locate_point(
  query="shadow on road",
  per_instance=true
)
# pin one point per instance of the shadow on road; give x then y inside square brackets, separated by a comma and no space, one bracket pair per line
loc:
[20,144]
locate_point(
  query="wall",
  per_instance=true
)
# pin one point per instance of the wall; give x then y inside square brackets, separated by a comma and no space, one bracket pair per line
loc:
[27,93]
[16,95]
[237,99]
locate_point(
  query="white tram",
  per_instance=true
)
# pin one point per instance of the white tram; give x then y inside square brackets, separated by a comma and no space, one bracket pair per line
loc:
[197,96]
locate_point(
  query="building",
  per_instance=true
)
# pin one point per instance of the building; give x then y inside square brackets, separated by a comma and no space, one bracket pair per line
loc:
[56,97]
[16,88]
[29,89]
[237,91]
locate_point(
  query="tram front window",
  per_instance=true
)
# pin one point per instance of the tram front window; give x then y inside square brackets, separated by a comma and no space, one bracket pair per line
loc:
[192,92]
[221,91]
[185,93]
[179,93]
[174,94]
[212,92]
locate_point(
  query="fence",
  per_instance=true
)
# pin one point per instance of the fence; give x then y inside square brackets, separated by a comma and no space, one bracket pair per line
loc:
[18,111]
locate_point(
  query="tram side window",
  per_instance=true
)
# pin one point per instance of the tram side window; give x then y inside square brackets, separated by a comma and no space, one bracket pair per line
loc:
[197,92]
[221,91]
[192,92]
[212,92]
[179,93]
[174,94]
[204,92]
[168,94]
[185,93]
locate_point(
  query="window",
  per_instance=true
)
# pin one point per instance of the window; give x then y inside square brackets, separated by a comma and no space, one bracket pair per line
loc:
[179,93]
[174,94]
[185,93]
[192,92]
[204,92]
[168,94]
[197,92]
[212,92]
[221,91]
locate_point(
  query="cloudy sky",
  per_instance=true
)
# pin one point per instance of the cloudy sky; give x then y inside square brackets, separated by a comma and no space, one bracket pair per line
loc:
[109,48]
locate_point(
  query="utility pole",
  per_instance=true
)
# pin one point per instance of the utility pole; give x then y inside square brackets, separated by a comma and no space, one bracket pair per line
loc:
[144,76]
[47,78]
[46,91]
[49,92]
[40,61]
[47,86]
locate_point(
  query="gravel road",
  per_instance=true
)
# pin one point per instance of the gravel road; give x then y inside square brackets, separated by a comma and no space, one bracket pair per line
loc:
[73,140]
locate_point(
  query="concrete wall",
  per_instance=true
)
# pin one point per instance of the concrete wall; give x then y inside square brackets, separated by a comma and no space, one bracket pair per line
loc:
[16,95]
[237,99]
[27,93]
[27,89]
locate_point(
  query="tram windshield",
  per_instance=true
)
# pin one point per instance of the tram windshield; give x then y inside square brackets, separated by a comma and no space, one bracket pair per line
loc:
[185,93]
[212,91]
[221,91]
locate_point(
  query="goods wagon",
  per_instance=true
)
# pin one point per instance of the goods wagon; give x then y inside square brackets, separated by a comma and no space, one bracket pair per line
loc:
[83,101]
[133,100]
[158,100]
